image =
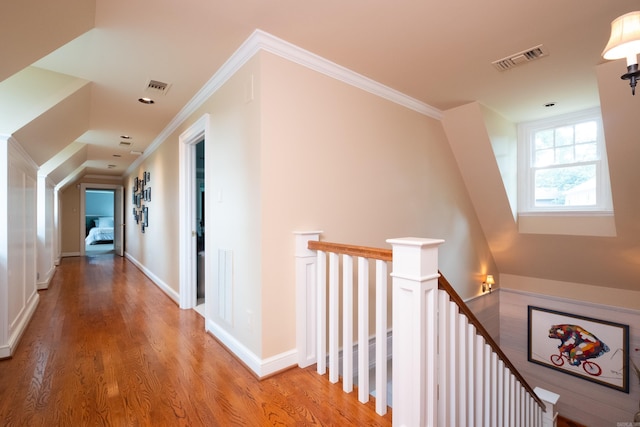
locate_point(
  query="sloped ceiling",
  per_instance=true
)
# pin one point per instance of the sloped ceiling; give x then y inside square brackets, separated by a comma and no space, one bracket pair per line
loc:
[437,52]
[32,29]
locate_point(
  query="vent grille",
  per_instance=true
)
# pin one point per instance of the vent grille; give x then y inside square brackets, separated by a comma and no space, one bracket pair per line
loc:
[520,58]
[125,143]
[157,86]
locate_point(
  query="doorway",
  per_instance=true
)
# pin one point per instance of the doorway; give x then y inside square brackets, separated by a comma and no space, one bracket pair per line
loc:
[99,216]
[101,226]
[199,211]
[192,210]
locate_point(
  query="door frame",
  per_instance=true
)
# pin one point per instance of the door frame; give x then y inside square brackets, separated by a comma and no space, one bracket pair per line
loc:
[118,215]
[188,193]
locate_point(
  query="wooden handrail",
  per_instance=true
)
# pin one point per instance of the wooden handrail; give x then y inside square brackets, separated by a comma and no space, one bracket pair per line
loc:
[443,283]
[464,308]
[352,250]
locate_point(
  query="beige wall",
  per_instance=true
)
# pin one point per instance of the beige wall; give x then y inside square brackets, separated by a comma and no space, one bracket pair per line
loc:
[157,248]
[232,188]
[302,151]
[70,213]
[70,220]
[360,168]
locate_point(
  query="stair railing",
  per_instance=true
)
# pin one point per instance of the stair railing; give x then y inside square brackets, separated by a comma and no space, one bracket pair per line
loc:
[447,370]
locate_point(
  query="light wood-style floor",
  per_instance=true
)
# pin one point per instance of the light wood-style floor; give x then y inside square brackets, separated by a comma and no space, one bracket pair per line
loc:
[107,347]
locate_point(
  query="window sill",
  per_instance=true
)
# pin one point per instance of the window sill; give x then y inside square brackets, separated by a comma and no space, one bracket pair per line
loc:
[600,224]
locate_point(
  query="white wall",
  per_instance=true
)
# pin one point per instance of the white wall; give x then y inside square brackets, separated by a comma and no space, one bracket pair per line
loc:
[45,215]
[18,293]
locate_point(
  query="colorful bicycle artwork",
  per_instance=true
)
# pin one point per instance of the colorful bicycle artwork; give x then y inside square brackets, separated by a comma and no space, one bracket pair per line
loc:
[591,368]
[592,349]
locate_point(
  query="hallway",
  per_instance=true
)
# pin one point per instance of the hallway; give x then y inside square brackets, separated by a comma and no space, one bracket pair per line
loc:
[107,347]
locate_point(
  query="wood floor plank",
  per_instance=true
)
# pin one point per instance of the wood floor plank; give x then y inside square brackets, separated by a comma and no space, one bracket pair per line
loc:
[107,347]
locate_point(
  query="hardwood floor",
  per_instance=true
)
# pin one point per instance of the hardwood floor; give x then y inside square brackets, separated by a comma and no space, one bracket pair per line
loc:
[107,347]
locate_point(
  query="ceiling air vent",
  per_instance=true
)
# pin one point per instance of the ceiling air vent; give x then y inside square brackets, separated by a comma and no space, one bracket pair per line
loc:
[156,86]
[125,143]
[520,58]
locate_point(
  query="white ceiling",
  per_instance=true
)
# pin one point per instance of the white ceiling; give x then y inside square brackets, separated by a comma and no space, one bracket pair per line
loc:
[73,73]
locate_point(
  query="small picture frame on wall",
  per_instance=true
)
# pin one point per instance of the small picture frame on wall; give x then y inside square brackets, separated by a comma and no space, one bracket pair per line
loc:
[591,349]
[147,194]
[145,216]
[136,184]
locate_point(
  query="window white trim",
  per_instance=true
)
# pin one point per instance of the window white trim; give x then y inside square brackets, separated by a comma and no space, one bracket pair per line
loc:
[526,202]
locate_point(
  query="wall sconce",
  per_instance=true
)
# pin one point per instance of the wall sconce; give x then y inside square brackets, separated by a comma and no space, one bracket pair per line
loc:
[625,43]
[488,282]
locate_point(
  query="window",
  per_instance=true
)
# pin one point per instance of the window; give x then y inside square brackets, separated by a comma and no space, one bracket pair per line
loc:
[563,165]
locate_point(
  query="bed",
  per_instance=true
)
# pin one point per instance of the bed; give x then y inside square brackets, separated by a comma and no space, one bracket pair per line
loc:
[101,232]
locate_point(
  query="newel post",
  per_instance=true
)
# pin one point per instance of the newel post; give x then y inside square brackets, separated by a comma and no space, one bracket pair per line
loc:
[415,286]
[306,261]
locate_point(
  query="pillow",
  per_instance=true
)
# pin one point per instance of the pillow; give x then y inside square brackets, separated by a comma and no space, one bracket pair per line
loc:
[96,223]
[105,222]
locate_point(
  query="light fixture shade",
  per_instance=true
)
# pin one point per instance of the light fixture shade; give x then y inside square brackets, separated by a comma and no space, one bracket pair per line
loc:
[625,38]
[490,280]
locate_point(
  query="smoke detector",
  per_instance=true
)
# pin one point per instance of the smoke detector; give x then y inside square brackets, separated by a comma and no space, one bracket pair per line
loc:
[158,87]
[520,58]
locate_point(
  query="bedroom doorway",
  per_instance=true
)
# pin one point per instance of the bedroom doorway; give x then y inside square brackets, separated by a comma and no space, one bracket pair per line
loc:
[101,227]
[99,208]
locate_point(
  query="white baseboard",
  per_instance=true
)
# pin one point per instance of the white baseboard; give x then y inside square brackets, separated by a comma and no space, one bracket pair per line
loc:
[155,279]
[44,284]
[260,367]
[20,326]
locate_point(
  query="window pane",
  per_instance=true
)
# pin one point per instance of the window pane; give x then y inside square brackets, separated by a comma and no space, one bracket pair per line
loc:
[544,158]
[567,186]
[544,139]
[564,155]
[586,132]
[564,136]
[587,152]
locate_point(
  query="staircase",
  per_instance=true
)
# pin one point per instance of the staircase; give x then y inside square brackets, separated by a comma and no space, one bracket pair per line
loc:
[447,370]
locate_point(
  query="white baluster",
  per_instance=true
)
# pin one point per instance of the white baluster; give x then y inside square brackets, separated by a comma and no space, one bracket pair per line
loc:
[381,337]
[494,389]
[321,299]
[347,323]
[480,380]
[500,382]
[334,321]
[444,359]
[462,352]
[472,356]
[452,320]
[363,330]
[486,407]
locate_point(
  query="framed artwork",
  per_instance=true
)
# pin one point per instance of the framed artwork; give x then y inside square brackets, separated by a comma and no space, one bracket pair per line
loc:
[592,349]
[141,195]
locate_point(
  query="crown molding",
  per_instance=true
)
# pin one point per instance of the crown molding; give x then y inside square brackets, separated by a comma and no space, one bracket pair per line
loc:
[261,40]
